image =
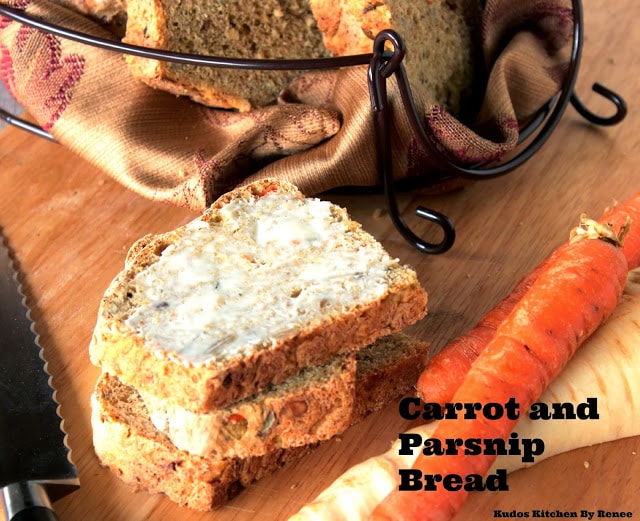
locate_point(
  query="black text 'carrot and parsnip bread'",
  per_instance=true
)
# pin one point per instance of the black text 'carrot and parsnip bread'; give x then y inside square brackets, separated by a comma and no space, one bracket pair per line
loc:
[263,285]
[127,442]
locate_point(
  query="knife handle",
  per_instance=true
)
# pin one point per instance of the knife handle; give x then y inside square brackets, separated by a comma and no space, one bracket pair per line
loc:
[27,501]
[35,514]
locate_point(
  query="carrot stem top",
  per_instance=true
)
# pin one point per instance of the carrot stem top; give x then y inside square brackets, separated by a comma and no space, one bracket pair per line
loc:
[590,229]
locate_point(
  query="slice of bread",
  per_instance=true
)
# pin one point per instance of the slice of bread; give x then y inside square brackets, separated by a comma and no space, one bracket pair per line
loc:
[127,442]
[264,29]
[308,407]
[263,285]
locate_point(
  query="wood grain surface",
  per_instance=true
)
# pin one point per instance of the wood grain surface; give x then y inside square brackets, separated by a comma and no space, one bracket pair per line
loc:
[71,226]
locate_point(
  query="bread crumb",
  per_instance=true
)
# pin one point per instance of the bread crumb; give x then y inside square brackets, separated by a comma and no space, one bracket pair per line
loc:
[586,464]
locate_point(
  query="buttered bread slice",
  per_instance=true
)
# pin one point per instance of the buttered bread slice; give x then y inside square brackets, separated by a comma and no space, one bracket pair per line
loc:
[264,284]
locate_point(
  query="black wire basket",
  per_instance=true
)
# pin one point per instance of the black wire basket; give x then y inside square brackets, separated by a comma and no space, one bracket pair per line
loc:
[383,64]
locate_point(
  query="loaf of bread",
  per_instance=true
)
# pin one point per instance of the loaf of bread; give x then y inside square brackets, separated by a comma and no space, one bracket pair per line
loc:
[263,285]
[127,442]
[442,40]
[442,37]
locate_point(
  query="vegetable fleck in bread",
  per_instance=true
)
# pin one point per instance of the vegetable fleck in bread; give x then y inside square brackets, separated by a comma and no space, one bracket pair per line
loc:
[441,36]
[127,442]
[263,285]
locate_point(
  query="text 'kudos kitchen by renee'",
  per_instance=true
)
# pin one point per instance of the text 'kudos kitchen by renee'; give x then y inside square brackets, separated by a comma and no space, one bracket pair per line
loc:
[561,514]
[412,443]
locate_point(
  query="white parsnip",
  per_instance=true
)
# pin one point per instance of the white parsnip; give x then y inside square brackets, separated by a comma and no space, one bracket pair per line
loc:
[606,367]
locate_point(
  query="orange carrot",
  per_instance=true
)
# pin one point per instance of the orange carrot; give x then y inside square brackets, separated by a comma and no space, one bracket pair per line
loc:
[565,304]
[446,370]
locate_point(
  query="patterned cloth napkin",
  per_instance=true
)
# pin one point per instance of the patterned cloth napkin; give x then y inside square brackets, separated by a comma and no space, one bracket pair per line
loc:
[319,135]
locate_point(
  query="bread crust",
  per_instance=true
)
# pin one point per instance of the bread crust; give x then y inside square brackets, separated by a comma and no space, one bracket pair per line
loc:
[203,387]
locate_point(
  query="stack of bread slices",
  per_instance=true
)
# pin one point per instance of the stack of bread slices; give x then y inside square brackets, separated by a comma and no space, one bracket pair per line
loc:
[240,341]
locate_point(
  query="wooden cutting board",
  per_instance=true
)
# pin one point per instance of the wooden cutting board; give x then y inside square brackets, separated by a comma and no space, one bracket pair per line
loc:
[71,226]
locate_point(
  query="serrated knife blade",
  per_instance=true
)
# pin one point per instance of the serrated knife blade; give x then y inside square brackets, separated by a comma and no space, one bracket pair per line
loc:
[35,469]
